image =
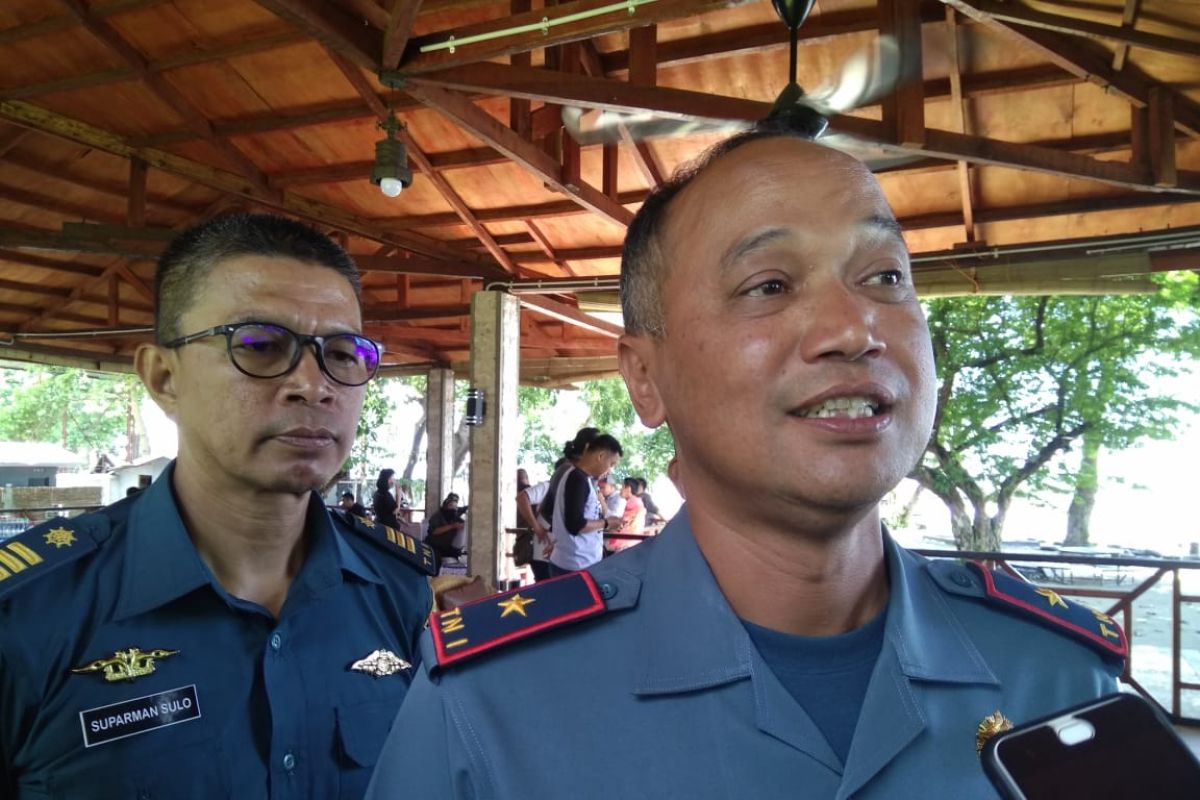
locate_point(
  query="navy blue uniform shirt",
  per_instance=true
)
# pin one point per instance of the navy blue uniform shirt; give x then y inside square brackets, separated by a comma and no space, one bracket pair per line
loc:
[641,682]
[212,697]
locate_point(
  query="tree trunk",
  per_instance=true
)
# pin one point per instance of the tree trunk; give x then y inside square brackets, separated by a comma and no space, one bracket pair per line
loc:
[1079,517]
[975,531]
[462,444]
[415,452]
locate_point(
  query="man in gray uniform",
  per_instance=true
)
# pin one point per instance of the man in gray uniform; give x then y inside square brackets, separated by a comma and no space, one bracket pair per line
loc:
[773,641]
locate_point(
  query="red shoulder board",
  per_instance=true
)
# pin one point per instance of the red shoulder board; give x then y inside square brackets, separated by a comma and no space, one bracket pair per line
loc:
[1097,629]
[486,624]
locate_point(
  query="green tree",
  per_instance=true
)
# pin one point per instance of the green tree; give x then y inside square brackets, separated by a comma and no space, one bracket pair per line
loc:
[537,406]
[1023,379]
[82,411]
[647,452]
[377,407]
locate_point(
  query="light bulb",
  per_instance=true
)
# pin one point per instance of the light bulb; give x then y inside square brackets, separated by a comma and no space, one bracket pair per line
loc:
[391,186]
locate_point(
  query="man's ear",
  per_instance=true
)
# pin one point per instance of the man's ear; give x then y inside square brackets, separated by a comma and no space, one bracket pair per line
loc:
[636,358]
[158,368]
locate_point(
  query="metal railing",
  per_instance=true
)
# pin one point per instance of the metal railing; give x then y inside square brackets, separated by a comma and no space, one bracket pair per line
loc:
[1138,575]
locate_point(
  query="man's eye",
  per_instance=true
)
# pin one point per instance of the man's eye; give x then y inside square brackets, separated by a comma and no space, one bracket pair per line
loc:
[767,288]
[888,277]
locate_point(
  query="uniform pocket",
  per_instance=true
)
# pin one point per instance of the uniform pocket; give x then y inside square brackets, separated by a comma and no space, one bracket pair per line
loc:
[361,731]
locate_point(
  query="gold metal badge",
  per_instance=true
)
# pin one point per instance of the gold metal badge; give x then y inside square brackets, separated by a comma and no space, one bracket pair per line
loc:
[992,724]
[380,663]
[60,537]
[125,665]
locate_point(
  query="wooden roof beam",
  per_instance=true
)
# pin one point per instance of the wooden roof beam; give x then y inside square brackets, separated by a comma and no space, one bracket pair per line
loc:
[53,265]
[602,93]
[10,137]
[195,119]
[1074,26]
[958,112]
[64,207]
[99,9]
[239,46]
[570,315]
[59,172]
[416,61]
[485,127]
[399,28]
[332,26]
[417,265]
[313,211]
[1083,63]
[1128,15]
[904,106]
[356,79]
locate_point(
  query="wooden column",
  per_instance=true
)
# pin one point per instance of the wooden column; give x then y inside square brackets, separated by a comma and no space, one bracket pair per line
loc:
[495,358]
[439,427]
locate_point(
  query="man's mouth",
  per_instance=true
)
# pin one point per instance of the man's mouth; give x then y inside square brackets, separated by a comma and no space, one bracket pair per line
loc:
[851,407]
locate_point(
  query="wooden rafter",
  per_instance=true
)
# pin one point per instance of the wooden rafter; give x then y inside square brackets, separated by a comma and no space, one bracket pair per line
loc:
[360,84]
[1128,15]
[904,106]
[99,9]
[1085,64]
[416,61]
[506,141]
[570,315]
[602,93]
[332,26]
[51,264]
[10,137]
[195,119]
[959,116]
[399,28]
[316,212]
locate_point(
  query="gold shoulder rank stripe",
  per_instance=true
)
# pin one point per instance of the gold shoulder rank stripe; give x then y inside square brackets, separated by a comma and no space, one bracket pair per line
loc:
[419,554]
[40,549]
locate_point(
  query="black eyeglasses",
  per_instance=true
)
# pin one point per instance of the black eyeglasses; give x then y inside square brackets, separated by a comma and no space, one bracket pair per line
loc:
[263,350]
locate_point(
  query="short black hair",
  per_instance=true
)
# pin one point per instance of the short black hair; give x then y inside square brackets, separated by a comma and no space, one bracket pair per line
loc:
[606,441]
[347,494]
[632,483]
[643,265]
[192,255]
[641,485]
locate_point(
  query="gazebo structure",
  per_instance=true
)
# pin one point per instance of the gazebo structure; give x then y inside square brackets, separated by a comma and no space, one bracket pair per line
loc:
[1045,147]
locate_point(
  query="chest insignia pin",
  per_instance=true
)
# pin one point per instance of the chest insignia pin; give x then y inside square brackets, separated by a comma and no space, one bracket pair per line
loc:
[992,724]
[380,663]
[125,665]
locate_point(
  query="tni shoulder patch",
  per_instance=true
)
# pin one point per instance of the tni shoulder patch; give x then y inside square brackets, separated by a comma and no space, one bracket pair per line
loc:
[418,554]
[1093,627]
[41,549]
[486,624]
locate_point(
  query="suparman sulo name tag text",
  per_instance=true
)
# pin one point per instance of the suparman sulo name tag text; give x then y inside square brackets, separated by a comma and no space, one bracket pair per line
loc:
[139,715]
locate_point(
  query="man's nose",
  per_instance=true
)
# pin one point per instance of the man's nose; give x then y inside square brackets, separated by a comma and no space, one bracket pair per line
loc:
[308,383]
[839,323]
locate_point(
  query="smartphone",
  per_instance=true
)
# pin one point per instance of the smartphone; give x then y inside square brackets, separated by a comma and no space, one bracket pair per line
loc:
[1116,747]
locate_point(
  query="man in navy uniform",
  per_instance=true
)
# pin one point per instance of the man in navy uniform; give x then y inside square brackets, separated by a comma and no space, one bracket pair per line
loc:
[773,641]
[221,634]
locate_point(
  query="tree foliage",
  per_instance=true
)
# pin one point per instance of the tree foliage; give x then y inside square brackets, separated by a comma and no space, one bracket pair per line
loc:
[647,452]
[1023,379]
[83,411]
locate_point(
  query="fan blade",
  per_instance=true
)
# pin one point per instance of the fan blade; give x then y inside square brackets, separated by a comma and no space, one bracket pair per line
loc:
[876,156]
[864,78]
[592,126]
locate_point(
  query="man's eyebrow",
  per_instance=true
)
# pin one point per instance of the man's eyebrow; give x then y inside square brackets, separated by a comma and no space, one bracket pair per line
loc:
[884,224]
[756,241]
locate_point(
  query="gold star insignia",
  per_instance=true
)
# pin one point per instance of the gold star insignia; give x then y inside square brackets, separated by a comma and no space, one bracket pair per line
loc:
[370,523]
[1100,616]
[515,605]
[1052,597]
[991,725]
[60,537]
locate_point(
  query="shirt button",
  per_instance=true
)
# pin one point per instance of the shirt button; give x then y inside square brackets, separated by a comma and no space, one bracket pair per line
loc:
[608,591]
[962,579]
[276,641]
[289,762]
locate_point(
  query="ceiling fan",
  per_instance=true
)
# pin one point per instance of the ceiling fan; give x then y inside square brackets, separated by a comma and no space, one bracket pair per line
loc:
[864,77]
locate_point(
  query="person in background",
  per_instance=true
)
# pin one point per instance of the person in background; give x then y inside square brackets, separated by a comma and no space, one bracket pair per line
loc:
[652,514]
[530,500]
[444,527]
[572,507]
[633,517]
[613,497]
[774,641]
[347,502]
[383,504]
[221,634]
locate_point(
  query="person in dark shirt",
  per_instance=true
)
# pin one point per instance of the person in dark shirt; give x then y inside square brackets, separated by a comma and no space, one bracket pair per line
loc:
[384,504]
[348,502]
[652,514]
[444,526]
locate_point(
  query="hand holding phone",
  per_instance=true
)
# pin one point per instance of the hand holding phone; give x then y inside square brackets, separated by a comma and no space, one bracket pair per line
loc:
[1113,748]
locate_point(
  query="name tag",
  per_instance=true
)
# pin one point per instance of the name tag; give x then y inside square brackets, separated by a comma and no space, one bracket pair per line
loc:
[142,714]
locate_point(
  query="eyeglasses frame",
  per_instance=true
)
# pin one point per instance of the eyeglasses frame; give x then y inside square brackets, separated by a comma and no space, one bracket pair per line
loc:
[306,340]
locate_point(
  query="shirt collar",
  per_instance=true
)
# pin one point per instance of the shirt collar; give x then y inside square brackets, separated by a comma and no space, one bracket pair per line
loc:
[689,637]
[161,562]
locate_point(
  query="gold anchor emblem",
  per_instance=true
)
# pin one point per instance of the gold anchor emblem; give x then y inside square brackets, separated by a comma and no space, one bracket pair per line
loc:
[125,665]
[992,724]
